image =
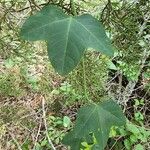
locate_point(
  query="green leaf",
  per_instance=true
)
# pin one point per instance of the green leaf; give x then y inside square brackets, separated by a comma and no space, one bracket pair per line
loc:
[44,142]
[9,63]
[111,65]
[133,138]
[113,132]
[122,131]
[67,36]
[73,142]
[139,147]
[132,128]
[97,119]
[127,144]
[137,103]
[66,121]
[96,147]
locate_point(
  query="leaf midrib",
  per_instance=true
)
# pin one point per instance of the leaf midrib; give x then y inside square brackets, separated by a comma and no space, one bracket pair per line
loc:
[66,44]
[111,113]
[88,31]
[86,121]
[48,24]
[98,110]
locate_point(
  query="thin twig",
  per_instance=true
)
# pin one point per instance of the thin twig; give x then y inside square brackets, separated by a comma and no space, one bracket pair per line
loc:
[34,3]
[45,124]
[84,81]
[115,143]
[15,141]
[38,133]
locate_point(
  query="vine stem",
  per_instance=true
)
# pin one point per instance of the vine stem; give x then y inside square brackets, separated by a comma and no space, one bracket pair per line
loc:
[73,7]
[83,64]
[84,81]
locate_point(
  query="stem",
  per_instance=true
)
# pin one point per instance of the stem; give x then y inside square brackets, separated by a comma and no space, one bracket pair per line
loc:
[84,81]
[61,3]
[38,133]
[73,7]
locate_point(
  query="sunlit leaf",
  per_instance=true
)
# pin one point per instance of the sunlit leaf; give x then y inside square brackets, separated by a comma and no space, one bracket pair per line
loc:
[66,121]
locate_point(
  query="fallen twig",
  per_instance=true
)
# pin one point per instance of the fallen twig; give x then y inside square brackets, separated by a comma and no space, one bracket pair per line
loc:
[15,141]
[45,124]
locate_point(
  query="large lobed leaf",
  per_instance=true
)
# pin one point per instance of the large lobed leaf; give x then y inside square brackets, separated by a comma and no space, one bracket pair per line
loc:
[67,36]
[96,119]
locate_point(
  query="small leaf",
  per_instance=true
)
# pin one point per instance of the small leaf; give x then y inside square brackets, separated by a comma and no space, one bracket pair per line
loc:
[67,36]
[44,142]
[111,65]
[113,132]
[66,121]
[97,119]
[127,144]
[123,132]
[139,116]
[9,63]
[137,103]
[84,144]
[38,147]
[132,128]
[133,138]
[139,147]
